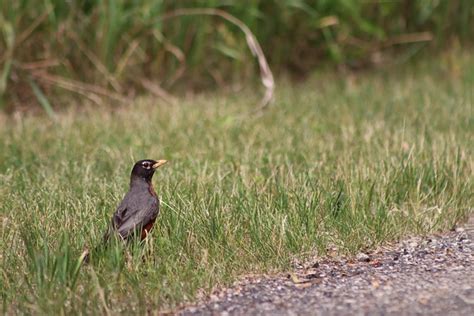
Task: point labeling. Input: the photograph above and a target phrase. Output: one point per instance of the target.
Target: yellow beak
(159, 163)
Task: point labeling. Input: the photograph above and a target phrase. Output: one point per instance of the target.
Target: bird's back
(138, 208)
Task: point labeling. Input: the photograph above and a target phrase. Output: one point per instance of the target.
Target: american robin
(139, 208)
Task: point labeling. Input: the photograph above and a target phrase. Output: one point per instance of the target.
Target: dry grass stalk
(176, 52)
(77, 86)
(266, 74)
(158, 91)
(96, 62)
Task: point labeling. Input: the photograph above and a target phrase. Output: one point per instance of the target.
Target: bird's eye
(146, 164)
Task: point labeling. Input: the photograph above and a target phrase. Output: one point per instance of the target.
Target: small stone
(363, 257)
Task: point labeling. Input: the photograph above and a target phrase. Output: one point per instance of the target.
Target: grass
(346, 162)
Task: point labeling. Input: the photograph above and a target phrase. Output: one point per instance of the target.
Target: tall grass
(49, 47)
(353, 164)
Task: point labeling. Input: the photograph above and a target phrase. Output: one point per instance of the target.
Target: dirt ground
(420, 276)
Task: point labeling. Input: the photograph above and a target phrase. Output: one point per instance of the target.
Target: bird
(137, 212)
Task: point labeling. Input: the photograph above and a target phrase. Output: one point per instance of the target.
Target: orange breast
(147, 228)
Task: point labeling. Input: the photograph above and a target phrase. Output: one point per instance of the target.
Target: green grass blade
(43, 101)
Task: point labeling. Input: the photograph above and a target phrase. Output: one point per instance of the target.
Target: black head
(145, 169)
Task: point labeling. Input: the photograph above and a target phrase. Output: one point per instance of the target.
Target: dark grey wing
(120, 213)
(138, 214)
(117, 218)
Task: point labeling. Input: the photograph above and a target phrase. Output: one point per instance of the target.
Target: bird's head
(145, 169)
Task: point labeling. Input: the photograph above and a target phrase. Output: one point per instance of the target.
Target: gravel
(419, 276)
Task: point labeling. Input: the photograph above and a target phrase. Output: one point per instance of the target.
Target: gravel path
(420, 276)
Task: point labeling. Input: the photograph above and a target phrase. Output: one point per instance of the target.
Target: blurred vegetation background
(113, 50)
